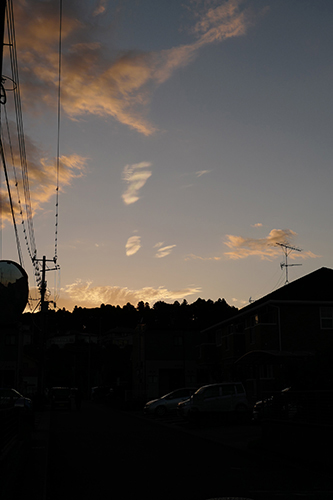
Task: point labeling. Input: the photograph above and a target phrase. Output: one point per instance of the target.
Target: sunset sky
(194, 136)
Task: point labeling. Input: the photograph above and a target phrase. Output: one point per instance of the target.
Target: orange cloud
(99, 80)
(265, 248)
(86, 295)
(42, 175)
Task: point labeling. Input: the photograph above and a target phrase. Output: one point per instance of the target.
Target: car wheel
(160, 411)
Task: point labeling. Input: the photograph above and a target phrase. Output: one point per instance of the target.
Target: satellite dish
(14, 291)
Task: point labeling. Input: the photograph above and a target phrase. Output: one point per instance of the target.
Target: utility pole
(287, 250)
(43, 309)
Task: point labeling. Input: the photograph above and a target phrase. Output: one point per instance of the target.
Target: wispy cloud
(87, 295)
(100, 8)
(136, 176)
(42, 175)
(107, 82)
(133, 245)
(202, 172)
(192, 256)
(164, 251)
(258, 224)
(265, 248)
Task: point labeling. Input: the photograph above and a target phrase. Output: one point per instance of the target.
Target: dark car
(10, 397)
(281, 404)
(61, 397)
(225, 398)
(101, 394)
(159, 407)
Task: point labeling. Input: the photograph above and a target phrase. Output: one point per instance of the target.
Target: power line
(58, 138)
(19, 251)
(20, 136)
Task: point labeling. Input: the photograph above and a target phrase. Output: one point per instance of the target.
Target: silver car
(159, 407)
(227, 397)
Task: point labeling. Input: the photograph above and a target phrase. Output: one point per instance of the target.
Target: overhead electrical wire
(58, 136)
(21, 142)
(2, 153)
(29, 231)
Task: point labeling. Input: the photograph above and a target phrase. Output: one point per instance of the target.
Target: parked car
(101, 394)
(223, 398)
(281, 404)
(61, 397)
(10, 397)
(168, 402)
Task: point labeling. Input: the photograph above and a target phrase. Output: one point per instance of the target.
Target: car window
(239, 388)
(228, 389)
(183, 393)
(212, 392)
(173, 395)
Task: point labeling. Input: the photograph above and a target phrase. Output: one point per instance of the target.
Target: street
(98, 452)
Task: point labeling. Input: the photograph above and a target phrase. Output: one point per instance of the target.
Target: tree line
(197, 316)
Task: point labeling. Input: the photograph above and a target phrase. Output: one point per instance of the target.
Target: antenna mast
(287, 250)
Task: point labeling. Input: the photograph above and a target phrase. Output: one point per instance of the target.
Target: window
(212, 392)
(178, 341)
(227, 390)
(10, 339)
(152, 379)
(326, 318)
(227, 344)
(266, 371)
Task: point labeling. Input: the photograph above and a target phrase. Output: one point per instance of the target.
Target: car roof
(221, 383)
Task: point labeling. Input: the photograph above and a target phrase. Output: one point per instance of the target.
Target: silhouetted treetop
(161, 316)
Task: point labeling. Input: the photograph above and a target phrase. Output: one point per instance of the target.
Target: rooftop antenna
(287, 250)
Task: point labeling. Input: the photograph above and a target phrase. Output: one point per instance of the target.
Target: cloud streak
(265, 248)
(87, 295)
(133, 245)
(164, 251)
(200, 173)
(42, 175)
(135, 176)
(105, 82)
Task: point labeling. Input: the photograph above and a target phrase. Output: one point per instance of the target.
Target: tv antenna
(287, 250)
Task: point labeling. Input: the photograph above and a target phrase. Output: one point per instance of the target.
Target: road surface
(98, 453)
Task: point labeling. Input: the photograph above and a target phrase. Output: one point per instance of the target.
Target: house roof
(253, 357)
(314, 287)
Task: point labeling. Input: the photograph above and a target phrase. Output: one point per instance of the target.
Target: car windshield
(179, 393)
(17, 394)
(199, 391)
